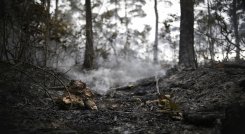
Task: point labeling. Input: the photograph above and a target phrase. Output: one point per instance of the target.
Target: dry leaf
(87, 93)
(65, 102)
(79, 96)
(76, 86)
(91, 104)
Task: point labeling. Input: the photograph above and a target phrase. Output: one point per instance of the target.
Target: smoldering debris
(114, 73)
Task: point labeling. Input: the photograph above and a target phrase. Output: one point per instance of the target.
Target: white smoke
(114, 73)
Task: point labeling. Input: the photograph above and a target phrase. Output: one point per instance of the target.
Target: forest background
(126, 44)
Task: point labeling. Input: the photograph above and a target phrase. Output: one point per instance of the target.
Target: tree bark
(210, 39)
(127, 45)
(155, 47)
(235, 25)
(186, 51)
(48, 5)
(56, 8)
(47, 32)
(89, 49)
(3, 52)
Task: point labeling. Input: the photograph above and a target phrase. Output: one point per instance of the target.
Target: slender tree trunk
(2, 10)
(56, 9)
(126, 46)
(210, 40)
(5, 41)
(186, 51)
(48, 5)
(56, 44)
(89, 49)
(155, 47)
(235, 25)
(47, 34)
(4, 34)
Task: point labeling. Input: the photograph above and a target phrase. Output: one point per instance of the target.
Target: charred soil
(211, 100)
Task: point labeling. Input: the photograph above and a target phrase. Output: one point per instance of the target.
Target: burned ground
(211, 100)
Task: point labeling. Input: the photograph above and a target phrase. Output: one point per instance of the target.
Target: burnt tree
(186, 47)
(89, 49)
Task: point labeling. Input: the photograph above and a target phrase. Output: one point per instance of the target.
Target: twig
(43, 87)
(62, 83)
(157, 86)
(9, 69)
(37, 67)
(57, 88)
(51, 73)
(67, 71)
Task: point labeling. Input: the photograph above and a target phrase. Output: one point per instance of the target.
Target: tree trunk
(210, 40)
(47, 33)
(3, 18)
(89, 49)
(5, 40)
(155, 47)
(56, 8)
(48, 5)
(235, 25)
(126, 46)
(43, 2)
(186, 51)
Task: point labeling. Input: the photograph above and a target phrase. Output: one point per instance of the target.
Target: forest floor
(211, 100)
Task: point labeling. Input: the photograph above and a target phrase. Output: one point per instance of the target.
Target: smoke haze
(114, 73)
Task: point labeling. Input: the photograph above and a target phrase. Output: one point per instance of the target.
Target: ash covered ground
(212, 101)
